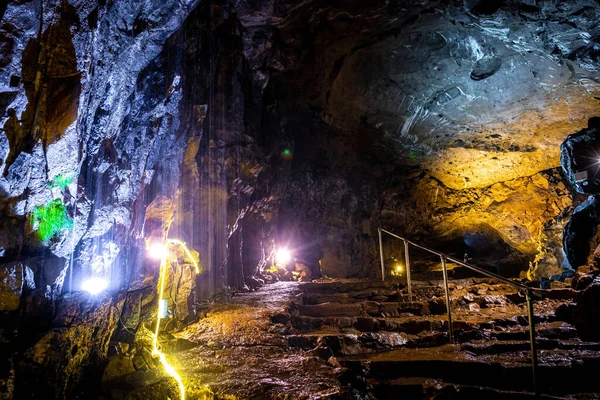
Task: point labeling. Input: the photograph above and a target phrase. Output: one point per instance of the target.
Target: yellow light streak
(169, 369)
(187, 252)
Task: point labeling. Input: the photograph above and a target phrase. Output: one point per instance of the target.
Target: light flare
(94, 285)
(283, 256)
(397, 270)
(158, 251)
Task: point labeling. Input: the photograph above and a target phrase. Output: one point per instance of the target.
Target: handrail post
(534, 358)
(448, 303)
(381, 255)
(407, 262)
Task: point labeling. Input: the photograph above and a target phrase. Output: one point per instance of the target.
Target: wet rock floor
(241, 353)
(349, 339)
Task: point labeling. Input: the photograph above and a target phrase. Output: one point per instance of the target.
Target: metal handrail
(529, 292)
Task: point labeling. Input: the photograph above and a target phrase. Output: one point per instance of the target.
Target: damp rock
(579, 162)
(580, 236)
(116, 370)
(15, 278)
(486, 67)
(586, 315)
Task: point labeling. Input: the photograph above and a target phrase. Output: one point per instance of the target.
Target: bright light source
(397, 270)
(282, 257)
(163, 308)
(94, 285)
(158, 251)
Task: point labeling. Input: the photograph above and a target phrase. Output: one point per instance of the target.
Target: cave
(314, 199)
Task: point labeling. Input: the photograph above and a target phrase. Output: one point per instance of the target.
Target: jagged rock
(180, 290)
(304, 273)
(143, 337)
(116, 371)
(158, 219)
(579, 237)
(130, 316)
(579, 162)
(64, 360)
(14, 279)
(586, 315)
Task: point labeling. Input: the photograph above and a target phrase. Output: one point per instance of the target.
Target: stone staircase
(391, 347)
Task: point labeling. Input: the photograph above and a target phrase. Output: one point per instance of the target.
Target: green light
(61, 181)
(412, 155)
(287, 152)
(51, 219)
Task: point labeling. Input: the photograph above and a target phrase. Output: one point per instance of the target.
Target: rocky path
(242, 352)
(352, 339)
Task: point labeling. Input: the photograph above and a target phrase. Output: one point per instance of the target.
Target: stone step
(364, 308)
(347, 285)
(560, 371)
(503, 328)
(353, 342)
(320, 292)
(506, 346)
(350, 343)
(351, 297)
(345, 290)
(548, 330)
(427, 388)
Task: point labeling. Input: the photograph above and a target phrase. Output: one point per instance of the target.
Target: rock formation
(279, 123)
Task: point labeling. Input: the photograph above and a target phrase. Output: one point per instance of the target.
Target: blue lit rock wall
(98, 103)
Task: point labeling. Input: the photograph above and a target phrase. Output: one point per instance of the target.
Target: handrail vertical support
(381, 255)
(448, 302)
(407, 262)
(534, 358)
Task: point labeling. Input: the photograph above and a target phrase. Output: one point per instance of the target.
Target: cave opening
(278, 199)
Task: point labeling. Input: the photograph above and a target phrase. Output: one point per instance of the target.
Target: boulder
(65, 360)
(130, 317)
(180, 288)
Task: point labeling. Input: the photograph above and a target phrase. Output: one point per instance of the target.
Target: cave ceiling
(479, 92)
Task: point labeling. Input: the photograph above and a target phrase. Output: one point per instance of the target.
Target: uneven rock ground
(365, 339)
(243, 353)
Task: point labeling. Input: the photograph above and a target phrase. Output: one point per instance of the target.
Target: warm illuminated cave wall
(446, 119)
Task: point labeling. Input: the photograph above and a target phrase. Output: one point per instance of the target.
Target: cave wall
(440, 120)
(280, 121)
